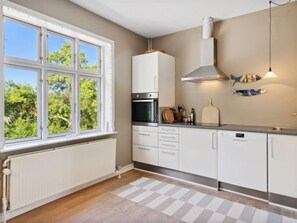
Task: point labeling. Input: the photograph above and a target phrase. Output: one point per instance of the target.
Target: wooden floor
(98, 204)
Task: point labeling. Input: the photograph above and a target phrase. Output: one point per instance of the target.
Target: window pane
(59, 103)
(89, 57)
(20, 41)
(20, 95)
(60, 50)
(88, 104)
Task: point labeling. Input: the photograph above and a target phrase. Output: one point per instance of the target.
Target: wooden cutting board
(210, 114)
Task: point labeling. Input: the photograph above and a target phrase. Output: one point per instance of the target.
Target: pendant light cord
(270, 35)
(278, 4)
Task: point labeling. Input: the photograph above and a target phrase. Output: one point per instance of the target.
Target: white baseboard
(14, 213)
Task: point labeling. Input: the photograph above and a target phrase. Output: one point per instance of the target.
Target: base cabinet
(168, 147)
(198, 152)
(282, 165)
(145, 144)
(168, 158)
(146, 154)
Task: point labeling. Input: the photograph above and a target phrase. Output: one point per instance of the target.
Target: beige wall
(242, 49)
(127, 44)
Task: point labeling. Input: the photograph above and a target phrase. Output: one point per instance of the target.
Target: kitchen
(242, 48)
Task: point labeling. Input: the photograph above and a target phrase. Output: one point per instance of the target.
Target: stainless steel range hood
(208, 69)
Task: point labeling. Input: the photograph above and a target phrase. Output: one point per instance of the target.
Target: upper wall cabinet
(155, 72)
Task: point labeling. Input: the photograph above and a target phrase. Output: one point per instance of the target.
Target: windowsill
(38, 143)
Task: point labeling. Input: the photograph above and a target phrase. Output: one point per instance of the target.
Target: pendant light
(270, 73)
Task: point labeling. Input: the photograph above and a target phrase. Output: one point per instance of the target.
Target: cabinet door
(145, 73)
(146, 138)
(282, 160)
(146, 154)
(198, 152)
(168, 158)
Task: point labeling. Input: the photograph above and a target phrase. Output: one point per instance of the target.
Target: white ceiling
(153, 18)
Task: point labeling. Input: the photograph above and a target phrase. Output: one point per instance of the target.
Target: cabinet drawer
(168, 158)
(145, 138)
(145, 154)
(168, 137)
(169, 130)
(142, 128)
(168, 145)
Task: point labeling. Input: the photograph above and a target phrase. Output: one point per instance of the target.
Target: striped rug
(192, 206)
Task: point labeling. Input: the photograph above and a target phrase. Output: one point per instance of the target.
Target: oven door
(145, 111)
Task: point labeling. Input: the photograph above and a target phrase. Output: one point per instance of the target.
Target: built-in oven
(145, 109)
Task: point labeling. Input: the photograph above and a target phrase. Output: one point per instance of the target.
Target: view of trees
(21, 101)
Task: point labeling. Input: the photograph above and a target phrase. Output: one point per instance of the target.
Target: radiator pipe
(6, 173)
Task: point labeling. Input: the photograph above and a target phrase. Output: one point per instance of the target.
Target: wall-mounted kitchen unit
(155, 72)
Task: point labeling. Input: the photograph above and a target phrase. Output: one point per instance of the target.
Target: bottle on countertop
(192, 116)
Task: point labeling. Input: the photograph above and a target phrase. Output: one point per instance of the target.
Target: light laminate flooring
(98, 204)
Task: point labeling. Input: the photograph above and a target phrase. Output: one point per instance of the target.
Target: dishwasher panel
(242, 159)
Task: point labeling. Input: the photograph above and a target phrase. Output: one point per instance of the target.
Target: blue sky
(22, 42)
(21, 76)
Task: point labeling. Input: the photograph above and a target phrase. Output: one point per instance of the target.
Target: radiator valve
(6, 171)
(118, 171)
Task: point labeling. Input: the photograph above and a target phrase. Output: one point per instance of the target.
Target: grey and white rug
(192, 206)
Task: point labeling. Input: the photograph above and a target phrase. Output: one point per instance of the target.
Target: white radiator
(37, 176)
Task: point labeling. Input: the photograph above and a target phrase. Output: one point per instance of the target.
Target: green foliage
(88, 104)
(21, 101)
(59, 100)
(20, 110)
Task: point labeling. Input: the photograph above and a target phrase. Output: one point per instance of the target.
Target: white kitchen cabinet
(146, 154)
(145, 144)
(168, 147)
(282, 162)
(168, 158)
(242, 159)
(198, 152)
(155, 72)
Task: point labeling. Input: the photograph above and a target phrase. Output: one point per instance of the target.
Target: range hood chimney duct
(208, 69)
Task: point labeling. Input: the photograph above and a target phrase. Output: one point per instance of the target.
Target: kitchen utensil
(169, 115)
(210, 114)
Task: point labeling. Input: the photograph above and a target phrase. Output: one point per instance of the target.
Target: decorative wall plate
(249, 92)
(247, 78)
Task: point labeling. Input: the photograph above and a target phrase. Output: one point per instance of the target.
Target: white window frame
(99, 99)
(93, 73)
(39, 53)
(39, 102)
(45, 56)
(106, 110)
(48, 135)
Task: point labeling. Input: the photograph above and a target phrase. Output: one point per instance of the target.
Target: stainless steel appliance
(145, 109)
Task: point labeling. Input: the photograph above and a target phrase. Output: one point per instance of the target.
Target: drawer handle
(146, 149)
(239, 140)
(168, 137)
(272, 150)
(164, 144)
(143, 134)
(168, 129)
(170, 153)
